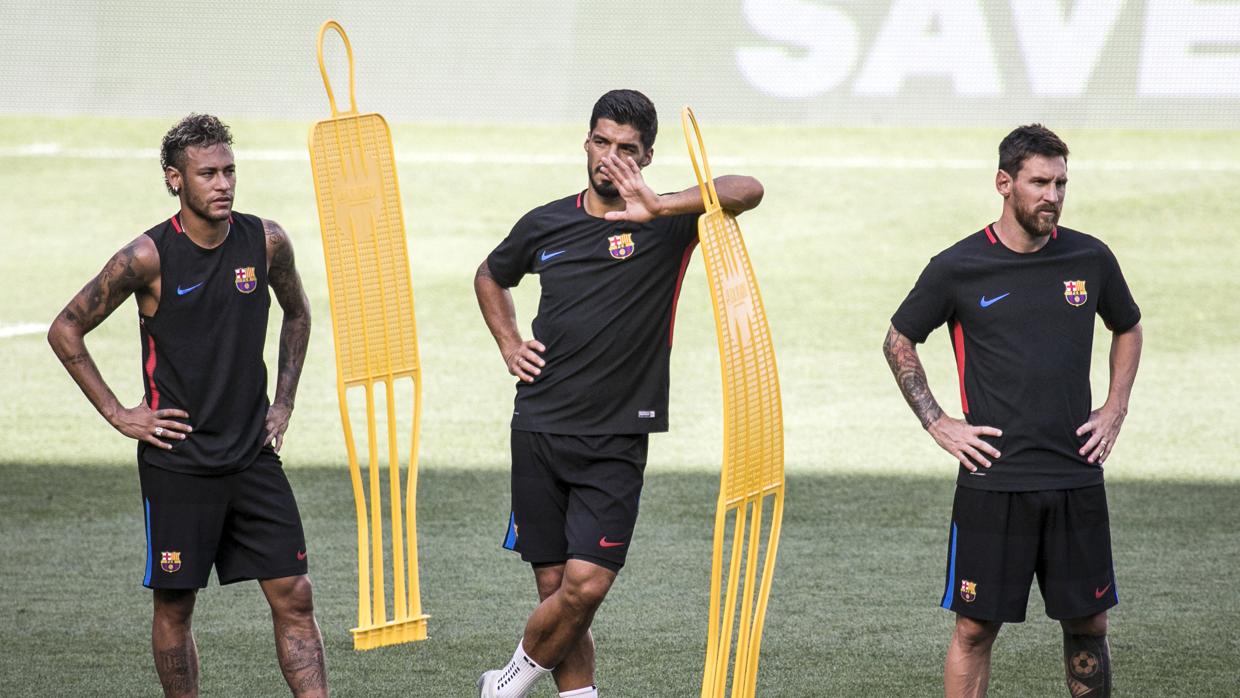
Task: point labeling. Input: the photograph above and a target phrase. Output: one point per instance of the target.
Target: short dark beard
(203, 213)
(1033, 224)
(606, 190)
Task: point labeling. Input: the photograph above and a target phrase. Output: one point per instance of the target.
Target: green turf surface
(853, 611)
(835, 245)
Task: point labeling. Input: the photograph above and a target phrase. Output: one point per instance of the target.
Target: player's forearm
(910, 375)
(285, 282)
(737, 194)
(498, 310)
(294, 339)
(70, 347)
(1125, 357)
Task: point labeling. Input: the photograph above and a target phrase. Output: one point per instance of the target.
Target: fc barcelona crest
(968, 590)
(620, 246)
(170, 561)
(1074, 292)
(247, 280)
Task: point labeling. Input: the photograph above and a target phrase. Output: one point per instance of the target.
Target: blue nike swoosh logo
(183, 291)
(987, 302)
(546, 256)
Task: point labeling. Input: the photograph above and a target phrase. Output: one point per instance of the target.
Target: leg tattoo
(301, 661)
(178, 670)
(1087, 663)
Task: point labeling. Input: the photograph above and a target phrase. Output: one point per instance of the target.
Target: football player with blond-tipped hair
(213, 488)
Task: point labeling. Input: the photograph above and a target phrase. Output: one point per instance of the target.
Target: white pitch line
(21, 329)
(857, 162)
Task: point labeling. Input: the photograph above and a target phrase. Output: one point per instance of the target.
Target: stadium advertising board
(1106, 63)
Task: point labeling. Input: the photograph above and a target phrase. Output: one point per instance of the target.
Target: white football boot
(487, 687)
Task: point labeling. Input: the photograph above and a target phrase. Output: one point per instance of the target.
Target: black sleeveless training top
(202, 352)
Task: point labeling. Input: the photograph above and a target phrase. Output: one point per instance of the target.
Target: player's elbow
(58, 335)
(304, 316)
(756, 192)
(747, 194)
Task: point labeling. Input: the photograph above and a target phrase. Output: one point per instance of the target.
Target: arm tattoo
(284, 280)
(78, 358)
(911, 377)
(119, 279)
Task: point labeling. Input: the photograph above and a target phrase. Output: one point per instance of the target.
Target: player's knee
(296, 598)
(1089, 625)
(976, 634)
(548, 578)
(175, 606)
(585, 595)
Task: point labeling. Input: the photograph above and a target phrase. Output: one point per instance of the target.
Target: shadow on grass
(853, 612)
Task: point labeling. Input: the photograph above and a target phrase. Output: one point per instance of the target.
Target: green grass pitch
(849, 219)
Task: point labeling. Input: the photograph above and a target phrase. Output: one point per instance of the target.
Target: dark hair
(629, 108)
(1026, 141)
(194, 130)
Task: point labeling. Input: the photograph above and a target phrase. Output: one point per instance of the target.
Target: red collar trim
(583, 193)
(990, 234)
(176, 224)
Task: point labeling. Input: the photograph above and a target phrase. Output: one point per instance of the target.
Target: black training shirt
(202, 351)
(1022, 326)
(609, 291)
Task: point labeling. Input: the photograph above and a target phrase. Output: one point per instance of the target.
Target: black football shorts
(245, 523)
(575, 497)
(1000, 541)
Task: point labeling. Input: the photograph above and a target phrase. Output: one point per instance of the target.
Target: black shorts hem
(609, 564)
(1104, 605)
(175, 587)
(537, 561)
(266, 574)
(985, 617)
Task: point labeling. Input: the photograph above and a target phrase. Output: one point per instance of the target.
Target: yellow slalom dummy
(376, 345)
(753, 447)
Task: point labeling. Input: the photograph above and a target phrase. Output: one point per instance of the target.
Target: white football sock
(587, 692)
(519, 676)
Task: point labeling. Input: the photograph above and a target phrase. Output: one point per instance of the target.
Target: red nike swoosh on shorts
(1099, 592)
(604, 543)
(301, 555)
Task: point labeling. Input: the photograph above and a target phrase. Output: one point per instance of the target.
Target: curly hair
(194, 130)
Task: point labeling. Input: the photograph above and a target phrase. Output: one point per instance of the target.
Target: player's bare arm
(523, 358)
(956, 436)
(285, 282)
(133, 269)
(737, 193)
(1105, 422)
